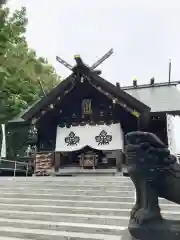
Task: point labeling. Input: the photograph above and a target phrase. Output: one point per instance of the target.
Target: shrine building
(82, 122)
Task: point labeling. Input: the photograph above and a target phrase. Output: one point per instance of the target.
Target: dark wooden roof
(82, 70)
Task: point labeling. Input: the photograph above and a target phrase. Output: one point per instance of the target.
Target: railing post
(27, 168)
(15, 169)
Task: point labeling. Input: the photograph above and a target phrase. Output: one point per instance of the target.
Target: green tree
(21, 71)
(2, 2)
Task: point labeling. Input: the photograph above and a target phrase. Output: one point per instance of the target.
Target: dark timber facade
(86, 98)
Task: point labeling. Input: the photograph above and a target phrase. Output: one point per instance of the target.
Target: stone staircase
(73, 208)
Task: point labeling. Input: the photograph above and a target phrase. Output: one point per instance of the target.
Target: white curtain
(177, 133)
(3, 145)
(101, 137)
(173, 133)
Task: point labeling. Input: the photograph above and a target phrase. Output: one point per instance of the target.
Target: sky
(143, 34)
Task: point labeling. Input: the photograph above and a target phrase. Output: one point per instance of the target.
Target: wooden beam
(52, 106)
(143, 122)
(115, 100)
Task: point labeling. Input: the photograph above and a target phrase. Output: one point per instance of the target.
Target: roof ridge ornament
(79, 61)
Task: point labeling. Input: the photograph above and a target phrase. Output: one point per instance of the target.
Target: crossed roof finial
(80, 62)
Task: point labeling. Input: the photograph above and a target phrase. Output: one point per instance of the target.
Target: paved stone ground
(51, 208)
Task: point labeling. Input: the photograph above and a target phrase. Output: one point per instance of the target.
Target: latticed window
(87, 106)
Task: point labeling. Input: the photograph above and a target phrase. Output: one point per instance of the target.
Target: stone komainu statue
(154, 172)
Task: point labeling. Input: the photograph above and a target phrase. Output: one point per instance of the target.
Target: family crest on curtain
(100, 137)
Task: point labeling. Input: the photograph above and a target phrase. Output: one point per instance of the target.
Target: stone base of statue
(127, 236)
(164, 229)
(155, 173)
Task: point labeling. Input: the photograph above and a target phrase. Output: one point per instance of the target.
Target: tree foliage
(2, 2)
(21, 71)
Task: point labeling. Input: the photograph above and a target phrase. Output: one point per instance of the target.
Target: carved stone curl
(155, 173)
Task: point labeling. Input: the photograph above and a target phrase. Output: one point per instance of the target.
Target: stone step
(78, 218)
(61, 196)
(51, 180)
(66, 217)
(80, 202)
(46, 196)
(11, 238)
(82, 210)
(69, 203)
(39, 234)
(87, 192)
(69, 208)
(70, 185)
(65, 179)
(76, 171)
(66, 209)
(62, 226)
(70, 188)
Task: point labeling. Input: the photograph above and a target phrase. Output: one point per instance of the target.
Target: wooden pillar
(143, 122)
(38, 139)
(57, 161)
(119, 160)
